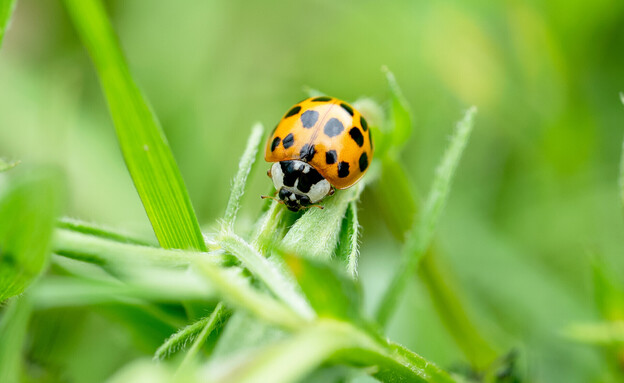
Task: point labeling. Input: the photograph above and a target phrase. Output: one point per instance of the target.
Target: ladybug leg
(309, 206)
(331, 191)
(269, 173)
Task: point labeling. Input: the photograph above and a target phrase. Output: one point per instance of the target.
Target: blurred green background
(535, 197)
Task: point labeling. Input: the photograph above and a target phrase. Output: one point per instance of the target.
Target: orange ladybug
(320, 144)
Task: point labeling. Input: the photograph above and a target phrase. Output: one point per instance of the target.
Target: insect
(321, 144)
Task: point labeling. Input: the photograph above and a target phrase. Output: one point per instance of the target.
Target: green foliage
(29, 204)
(420, 236)
(6, 10)
(400, 113)
(146, 151)
(13, 329)
(330, 292)
(348, 243)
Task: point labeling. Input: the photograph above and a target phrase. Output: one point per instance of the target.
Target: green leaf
(13, 333)
(420, 236)
(147, 154)
(331, 293)
(348, 243)
(395, 196)
(98, 231)
(28, 208)
(316, 233)
(214, 321)
(4, 165)
(244, 167)
(401, 115)
(6, 10)
(601, 333)
(237, 290)
(268, 272)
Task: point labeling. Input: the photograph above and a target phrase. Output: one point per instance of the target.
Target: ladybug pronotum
(320, 144)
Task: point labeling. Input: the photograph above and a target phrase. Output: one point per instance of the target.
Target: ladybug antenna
(273, 198)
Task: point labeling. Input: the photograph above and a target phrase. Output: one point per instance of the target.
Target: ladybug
(321, 144)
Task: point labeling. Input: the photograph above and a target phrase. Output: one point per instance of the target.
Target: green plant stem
(622, 165)
(268, 273)
(13, 328)
(98, 231)
(420, 236)
(454, 317)
(209, 325)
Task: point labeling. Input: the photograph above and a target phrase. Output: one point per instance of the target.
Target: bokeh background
(534, 202)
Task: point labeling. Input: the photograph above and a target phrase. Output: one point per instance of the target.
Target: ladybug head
(298, 184)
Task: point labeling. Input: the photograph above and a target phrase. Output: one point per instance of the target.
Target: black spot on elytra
(309, 118)
(293, 111)
(363, 162)
(288, 141)
(307, 152)
(357, 136)
(343, 169)
(363, 123)
(331, 157)
(347, 108)
(275, 143)
(322, 98)
(333, 127)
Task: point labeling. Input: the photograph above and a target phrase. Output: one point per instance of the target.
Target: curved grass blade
(244, 167)
(420, 236)
(196, 332)
(13, 329)
(145, 149)
(6, 10)
(28, 209)
(401, 114)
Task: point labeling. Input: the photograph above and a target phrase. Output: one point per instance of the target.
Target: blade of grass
(244, 167)
(622, 164)
(420, 236)
(13, 332)
(216, 318)
(29, 205)
(4, 165)
(6, 10)
(401, 115)
(147, 154)
(191, 333)
(98, 231)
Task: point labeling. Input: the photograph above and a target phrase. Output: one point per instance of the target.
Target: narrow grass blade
(6, 10)
(348, 244)
(28, 208)
(143, 144)
(4, 165)
(193, 333)
(13, 332)
(420, 236)
(622, 164)
(148, 285)
(600, 333)
(214, 320)
(98, 231)
(401, 115)
(244, 167)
